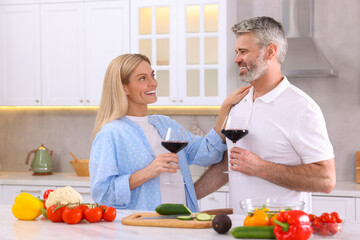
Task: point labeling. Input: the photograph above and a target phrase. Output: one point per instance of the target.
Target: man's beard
(255, 69)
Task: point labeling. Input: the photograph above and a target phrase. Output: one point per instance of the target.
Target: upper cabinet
(190, 45)
(55, 52)
(78, 41)
(20, 72)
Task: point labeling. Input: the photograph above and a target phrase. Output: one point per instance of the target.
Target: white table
(43, 229)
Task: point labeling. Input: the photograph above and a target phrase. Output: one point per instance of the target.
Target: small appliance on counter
(42, 163)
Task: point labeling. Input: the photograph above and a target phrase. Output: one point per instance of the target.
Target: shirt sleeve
(204, 151)
(309, 136)
(109, 186)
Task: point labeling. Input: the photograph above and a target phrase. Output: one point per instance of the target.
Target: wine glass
(233, 131)
(174, 140)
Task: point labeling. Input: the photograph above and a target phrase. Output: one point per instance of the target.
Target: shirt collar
(272, 95)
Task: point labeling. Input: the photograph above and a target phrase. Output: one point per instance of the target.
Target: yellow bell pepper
(26, 207)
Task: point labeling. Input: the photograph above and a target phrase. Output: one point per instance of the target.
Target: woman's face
(142, 86)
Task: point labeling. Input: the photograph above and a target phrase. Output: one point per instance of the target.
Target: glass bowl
(327, 230)
(270, 205)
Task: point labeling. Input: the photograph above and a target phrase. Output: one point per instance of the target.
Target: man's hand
(244, 161)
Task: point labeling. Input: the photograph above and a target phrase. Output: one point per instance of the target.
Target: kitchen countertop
(43, 229)
(342, 188)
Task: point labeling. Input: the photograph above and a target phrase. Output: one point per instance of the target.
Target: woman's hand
(235, 97)
(226, 106)
(166, 162)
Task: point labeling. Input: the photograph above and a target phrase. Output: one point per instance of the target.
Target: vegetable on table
(72, 215)
(93, 214)
(46, 195)
(203, 217)
(254, 232)
(257, 218)
(63, 196)
(221, 223)
(294, 224)
(172, 208)
(26, 207)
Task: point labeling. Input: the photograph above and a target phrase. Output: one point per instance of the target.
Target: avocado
(221, 223)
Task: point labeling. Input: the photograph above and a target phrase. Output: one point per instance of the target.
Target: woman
(126, 157)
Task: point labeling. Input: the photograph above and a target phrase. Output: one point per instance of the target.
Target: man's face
(249, 58)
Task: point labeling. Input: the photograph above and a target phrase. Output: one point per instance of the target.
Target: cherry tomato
(72, 215)
(325, 217)
(332, 228)
(55, 216)
(47, 192)
(312, 217)
(110, 214)
(83, 207)
(93, 214)
(323, 231)
(336, 215)
(257, 218)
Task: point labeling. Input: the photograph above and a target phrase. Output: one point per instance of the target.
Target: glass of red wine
(174, 140)
(233, 131)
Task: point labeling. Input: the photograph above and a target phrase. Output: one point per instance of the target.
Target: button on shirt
(285, 126)
(120, 148)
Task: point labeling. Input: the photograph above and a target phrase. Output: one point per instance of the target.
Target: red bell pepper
(46, 195)
(293, 225)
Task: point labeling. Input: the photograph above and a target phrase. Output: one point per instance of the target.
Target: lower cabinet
(345, 206)
(9, 192)
(214, 200)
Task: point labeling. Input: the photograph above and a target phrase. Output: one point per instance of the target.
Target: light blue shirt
(121, 149)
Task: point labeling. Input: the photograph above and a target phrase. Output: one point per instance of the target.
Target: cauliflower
(63, 195)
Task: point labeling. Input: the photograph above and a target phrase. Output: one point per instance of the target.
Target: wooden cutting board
(136, 220)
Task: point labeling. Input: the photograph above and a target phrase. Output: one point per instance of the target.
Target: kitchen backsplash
(60, 130)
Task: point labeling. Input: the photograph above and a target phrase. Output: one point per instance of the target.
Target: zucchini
(203, 217)
(261, 232)
(171, 209)
(186, 218)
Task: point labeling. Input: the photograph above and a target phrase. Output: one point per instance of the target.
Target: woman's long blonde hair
(114, 103)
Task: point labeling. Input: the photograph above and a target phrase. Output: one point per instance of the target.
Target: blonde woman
(127, 157)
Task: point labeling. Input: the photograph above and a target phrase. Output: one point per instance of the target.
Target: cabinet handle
(173, 100)
(81, 101)
(87, 100)
(180, 100)
(37, 101)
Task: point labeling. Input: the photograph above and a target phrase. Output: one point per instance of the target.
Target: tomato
(312, 217)
(93, 214)
(332, 228)
(83, 207)
(72, 215)
(336, 216)
(55, 216)
(257, 218)
(325, 217)
(110, 214)
(47, 192)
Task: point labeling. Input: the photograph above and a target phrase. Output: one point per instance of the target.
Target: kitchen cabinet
(214, 200)
(20, 75)
(9, 192)
(190, 45)
(71, 44)
(345, 206)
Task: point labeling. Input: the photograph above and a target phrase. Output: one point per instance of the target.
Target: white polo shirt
(285, 126)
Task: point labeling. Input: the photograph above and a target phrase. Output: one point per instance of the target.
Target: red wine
(174, 146)
(234, 134)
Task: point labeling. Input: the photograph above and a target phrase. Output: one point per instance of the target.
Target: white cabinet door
(62, 61)
(345, 206)
(106, 37)
(20, 81)
(213, 201)
(10, 192)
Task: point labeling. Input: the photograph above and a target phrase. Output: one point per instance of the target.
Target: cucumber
(263, 232)
(172, 208)
(203, 217)
(186, 218)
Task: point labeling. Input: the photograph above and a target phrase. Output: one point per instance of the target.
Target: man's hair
(267, 31)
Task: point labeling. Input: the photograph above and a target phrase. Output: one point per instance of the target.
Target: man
(287, 153)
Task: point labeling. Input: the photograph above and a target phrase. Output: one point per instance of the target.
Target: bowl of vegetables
(326, 224)
(270, 205)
